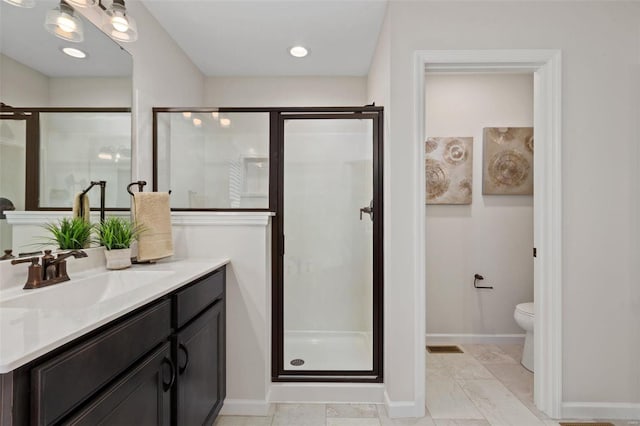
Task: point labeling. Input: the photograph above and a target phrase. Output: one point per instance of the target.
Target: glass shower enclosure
(328, 319)
(319, 171)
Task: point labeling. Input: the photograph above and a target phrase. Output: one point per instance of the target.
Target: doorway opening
(546, 68)
(479, 228)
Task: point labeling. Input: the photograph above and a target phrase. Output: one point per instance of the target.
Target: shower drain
(297, 362)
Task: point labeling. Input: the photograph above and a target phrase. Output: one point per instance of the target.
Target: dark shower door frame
(32, 154)
(279, 373)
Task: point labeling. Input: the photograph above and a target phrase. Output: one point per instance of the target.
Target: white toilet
(524, 317)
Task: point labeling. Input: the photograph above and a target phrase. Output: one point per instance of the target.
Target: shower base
(327, 350)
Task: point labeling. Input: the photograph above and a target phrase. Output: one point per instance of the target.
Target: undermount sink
(85, 292)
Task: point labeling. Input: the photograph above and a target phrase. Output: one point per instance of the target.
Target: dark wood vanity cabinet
(163, 364)
(199, 351)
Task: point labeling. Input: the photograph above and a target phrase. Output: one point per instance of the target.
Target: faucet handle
(34, 260)
(34, 278)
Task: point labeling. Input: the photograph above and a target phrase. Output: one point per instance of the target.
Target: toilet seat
(525, 309)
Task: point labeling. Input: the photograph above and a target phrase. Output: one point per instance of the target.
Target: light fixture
(118, 24)
(225, 122)
(106, 153)
(187, 114)
(298, 51)
(74, 53)
(82, 3)
(197, 122)
(115, 154)
(215, 115)
(62, 22)
(27, 4)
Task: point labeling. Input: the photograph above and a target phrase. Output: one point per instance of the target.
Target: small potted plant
(117, 234)
(70, 234)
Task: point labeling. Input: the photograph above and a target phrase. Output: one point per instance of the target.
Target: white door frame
(546, 68)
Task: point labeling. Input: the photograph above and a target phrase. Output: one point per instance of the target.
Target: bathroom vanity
(141, 346)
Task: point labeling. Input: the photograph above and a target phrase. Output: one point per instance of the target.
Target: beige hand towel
(86, 209)
(151, 212)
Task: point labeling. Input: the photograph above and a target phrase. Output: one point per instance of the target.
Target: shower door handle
(368, 210)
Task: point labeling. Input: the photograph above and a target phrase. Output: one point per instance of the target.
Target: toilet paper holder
(478, 277)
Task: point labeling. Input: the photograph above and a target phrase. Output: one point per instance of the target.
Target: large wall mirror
(65, 121)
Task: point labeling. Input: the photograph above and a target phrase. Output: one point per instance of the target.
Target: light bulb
(215, 115)
(66, 24)
(186, 114)
(197, 122)
(63, 23)
(120, 23)
(225, 122)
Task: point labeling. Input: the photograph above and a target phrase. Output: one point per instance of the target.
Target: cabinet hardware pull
(186, 356)
(167, 386)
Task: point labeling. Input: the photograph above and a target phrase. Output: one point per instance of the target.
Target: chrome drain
(297, 362)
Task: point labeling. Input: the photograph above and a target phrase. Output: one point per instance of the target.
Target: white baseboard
(601, 410)
(400, 409)
(245, 407)
(487, 339)
(372, 393)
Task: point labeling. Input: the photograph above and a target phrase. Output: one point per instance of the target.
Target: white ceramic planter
(118, 259)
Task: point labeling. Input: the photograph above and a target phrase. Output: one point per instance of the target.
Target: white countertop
(34, 322)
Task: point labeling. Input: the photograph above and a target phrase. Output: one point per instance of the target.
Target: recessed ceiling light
(215, 115)
(298, 51)
(197, 122)
(225, 122)
(186, 114)
(74, 53)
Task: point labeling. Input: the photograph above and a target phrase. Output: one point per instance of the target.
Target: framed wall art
(507, 167)
(449, 170)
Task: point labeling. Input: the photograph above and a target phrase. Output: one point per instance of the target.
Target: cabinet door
(141, 397)
(200, 359)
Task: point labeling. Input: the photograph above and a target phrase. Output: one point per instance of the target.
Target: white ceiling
(252, 37)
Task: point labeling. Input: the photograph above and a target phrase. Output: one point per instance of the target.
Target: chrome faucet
(52, 271)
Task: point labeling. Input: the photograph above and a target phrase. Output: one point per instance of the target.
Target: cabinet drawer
(193, 300)
(64, 382)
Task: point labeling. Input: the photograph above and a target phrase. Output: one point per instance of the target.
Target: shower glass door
(327, 216)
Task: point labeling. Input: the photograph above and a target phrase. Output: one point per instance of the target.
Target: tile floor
(485, 385)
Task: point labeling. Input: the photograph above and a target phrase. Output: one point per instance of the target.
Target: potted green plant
(117, 234)
(70, 234)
